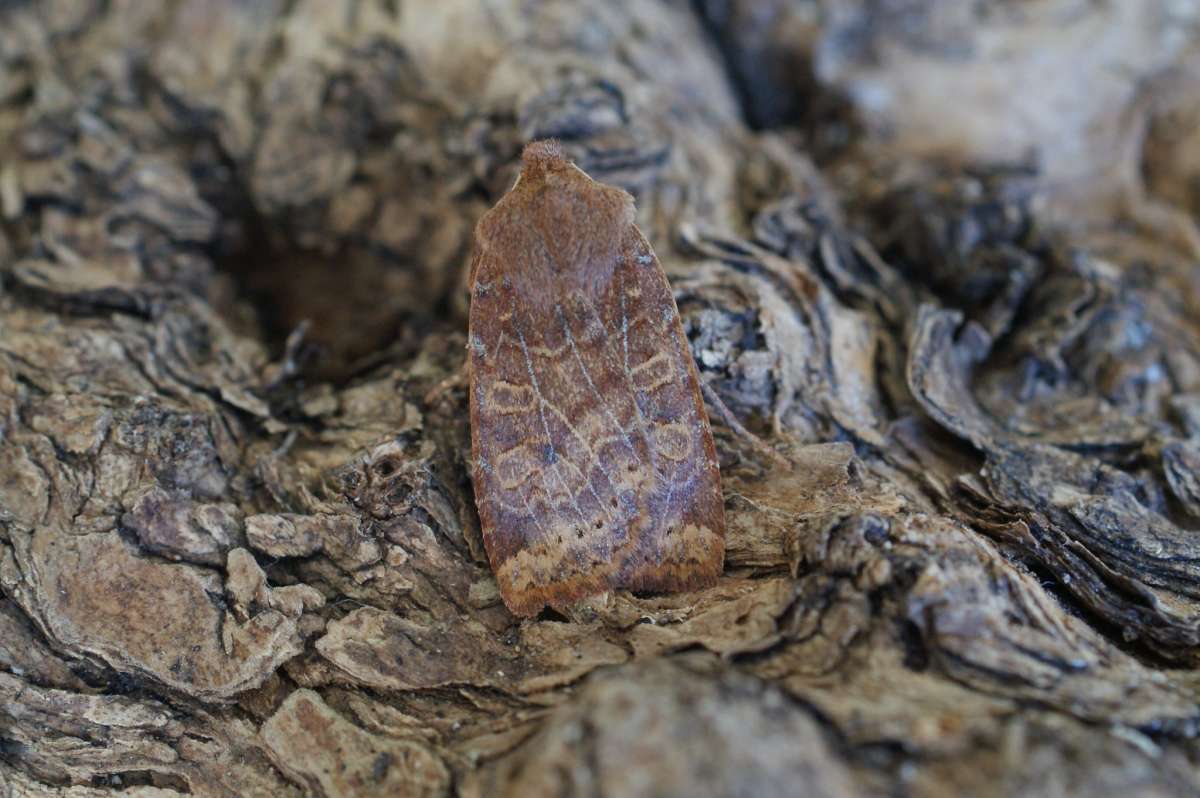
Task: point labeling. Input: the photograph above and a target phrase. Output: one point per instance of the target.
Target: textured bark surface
(940, 255)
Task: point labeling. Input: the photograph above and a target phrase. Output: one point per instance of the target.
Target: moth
(594, 467)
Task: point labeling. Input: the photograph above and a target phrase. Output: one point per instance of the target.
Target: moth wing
(553, 511)
(682, 547)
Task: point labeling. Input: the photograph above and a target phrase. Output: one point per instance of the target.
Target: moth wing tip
(522, 603)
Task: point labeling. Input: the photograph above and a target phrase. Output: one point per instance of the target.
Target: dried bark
(941, 256)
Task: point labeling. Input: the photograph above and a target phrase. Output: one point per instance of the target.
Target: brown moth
(594, 465)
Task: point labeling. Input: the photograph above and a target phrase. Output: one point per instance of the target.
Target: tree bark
(940, 256)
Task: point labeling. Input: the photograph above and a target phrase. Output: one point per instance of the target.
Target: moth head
(545, 162)
(558, 224)
(543, 156)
